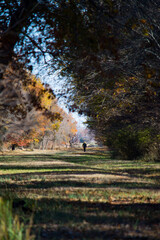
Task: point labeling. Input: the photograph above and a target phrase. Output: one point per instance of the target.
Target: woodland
(106, 54)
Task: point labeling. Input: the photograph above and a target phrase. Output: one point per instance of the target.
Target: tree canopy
(31, 115)
(109, 51)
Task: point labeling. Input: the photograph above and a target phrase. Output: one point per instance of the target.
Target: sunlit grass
(84, 196)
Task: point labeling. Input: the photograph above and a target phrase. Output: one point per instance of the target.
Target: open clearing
(76, 195)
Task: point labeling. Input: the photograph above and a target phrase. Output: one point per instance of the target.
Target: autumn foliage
(42, 124)
(108, 52)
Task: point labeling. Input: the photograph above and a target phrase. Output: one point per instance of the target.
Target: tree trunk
(7, 43)
(43, 141)
(46, 146)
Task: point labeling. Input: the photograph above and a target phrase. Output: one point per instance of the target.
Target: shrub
(129, 143)
(153, 153)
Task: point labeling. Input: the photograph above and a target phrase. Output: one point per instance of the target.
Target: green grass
(76, 195)
(10, 226)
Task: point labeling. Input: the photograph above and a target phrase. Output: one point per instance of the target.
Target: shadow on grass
(133, 168)
(52, 170)
(65, 220)
(80, 158)
(42, 184)
(60, 219)
(42, 167)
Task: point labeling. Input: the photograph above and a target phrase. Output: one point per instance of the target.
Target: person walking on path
(84, 146)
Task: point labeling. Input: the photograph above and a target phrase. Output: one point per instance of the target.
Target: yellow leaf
(149, 75)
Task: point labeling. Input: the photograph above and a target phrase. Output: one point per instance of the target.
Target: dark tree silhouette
(109, 50)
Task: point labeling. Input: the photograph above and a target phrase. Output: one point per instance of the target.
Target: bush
(130, 144)
(153, 153)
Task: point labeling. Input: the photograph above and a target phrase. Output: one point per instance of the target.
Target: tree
(109, 50)
(44, 124)
(29, 28)
(27, 106)
(68, 130)
(114, 70)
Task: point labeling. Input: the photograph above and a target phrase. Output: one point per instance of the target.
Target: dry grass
(76, 195)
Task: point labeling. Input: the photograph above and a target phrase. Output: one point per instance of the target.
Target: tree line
(109, 52)
(31, 115)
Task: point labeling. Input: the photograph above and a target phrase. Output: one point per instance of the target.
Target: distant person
(84, 146)
(13, 147)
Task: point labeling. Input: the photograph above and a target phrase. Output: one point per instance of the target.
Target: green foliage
(129, 143)
(153, 153)
(115, 83)
(10, 226)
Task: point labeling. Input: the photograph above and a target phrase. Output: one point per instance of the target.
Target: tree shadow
(45, 184)
(63, 219)
(42, 167)
(57, 170)
(85, 220)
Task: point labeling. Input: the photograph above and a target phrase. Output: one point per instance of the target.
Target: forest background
(108, 52)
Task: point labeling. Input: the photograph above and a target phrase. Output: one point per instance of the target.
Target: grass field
(76, 195)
